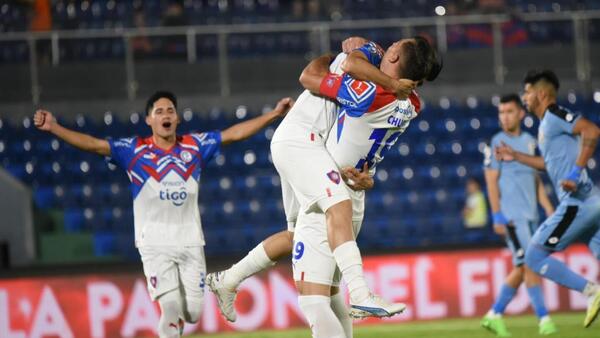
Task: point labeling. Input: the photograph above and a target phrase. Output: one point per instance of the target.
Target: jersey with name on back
(164, 185)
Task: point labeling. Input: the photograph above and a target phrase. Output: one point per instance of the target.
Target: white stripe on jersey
(132, 173)
(140, 148)
(189, 146)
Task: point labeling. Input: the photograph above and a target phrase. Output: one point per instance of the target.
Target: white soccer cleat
(225, 296)
(593, 309)
(375, 306)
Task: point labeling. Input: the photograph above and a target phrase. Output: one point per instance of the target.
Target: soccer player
(566, 141)
(513, 191)
(370, 150)
(164, 170)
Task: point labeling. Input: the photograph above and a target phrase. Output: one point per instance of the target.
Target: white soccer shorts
(312, 258)
(174, 267)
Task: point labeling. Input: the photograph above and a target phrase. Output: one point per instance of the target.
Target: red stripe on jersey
(328, 192)
(382, 99)
(415, 101)
(330, 85)
(312, 136)
(302, 276)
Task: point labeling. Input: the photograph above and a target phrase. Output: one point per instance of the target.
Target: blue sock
(506, 295)
(537, 301)
(540, 261)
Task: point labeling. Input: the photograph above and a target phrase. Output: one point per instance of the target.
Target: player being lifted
(513, 191)
(279, 245)
(566, 141)
(168, 231)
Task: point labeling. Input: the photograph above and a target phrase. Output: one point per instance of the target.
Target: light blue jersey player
(514, 191)
(566, 141)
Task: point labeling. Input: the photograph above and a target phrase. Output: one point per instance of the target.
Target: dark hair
(159, 95)
(534, 76)
(512, 97)
(421, 60)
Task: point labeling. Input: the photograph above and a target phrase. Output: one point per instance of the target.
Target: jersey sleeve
(489, 160)
(564, 120)
(209, 145)
(373, 53)
(122, 151)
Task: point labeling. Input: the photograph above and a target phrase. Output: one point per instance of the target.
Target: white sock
(544, 319)
(320, 317)
(255, 261)
(347, 256)
(590, 289)
(170, 312)
(338, 305)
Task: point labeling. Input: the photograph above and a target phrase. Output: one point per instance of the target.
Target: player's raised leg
(574, 218)
(224, 283)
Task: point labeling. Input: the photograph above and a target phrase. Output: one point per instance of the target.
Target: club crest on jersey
(186, 156)
(334, 176)
(153, 281)
(150, 156)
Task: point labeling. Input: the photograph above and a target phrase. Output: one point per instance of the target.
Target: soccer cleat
(225, 296)
(375, 306)
(547, 327)
(495, 324)
(593, 309)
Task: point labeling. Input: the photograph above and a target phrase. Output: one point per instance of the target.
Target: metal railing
(320, 30)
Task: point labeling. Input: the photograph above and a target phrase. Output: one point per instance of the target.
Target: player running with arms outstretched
(164, 170)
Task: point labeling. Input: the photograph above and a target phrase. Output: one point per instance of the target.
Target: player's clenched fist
(283, 106)
(43, 120)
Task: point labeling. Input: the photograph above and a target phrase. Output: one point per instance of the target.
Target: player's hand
(403, 87)
(568, 185)
(283, 106)
(500, 229)
(352, 43)
(504, 152)
(358, 180)
(43, 120)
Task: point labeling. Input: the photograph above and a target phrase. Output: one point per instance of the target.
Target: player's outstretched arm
(359, 67)
(243, 130)
(590, 133)
(491, 182)
(505, 153)
(542, 197)
(44, 120)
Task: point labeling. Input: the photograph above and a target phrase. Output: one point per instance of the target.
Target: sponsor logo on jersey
(186, 156)
(334, 176)
(150, 156)
(176, 197)
(347, 103)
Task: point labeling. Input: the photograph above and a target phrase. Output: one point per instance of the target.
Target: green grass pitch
(569, 326)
